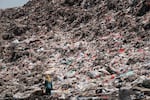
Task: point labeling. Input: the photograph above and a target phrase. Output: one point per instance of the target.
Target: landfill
(93, 49)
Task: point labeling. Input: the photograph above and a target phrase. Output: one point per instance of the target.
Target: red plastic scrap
(94, 57)
(140, 50)
(122, 50)
(117, 35)
(109, 78)
(105, 97)
(105, 81)
(108, 18)
(112, 76)
(147, 3)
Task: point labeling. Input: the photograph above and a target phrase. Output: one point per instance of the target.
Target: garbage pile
(93, 49)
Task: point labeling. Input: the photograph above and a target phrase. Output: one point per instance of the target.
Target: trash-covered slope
(85, 42)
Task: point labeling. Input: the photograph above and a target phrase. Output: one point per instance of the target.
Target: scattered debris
(92, 48)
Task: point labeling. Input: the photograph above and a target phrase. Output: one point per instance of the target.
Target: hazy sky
(11, 3)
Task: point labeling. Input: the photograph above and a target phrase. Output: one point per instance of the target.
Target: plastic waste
(130, 73)
(71, 73)
(93, 74)
(26, 94)
(139, 96)
(15, 41)
(40, 49)
(146, 83)
(125, 94)
(66, 61)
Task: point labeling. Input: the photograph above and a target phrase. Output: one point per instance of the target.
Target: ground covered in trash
(87, 44)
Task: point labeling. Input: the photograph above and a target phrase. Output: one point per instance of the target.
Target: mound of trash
(93, 49)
